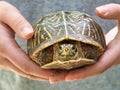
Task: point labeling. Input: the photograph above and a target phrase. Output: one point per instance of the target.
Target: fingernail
(68, 80)
(102, 10)
(73, 79)
(53, 82)
(27, 31)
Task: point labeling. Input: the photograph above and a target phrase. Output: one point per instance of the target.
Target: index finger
(109, 11)
(12, 17)
(19, 58)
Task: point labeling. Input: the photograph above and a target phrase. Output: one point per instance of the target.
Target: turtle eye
(60, 47)
(74, 48)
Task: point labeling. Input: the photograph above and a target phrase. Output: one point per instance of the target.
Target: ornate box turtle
(66, 40)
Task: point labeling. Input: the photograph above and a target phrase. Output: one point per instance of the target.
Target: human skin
(111, 56)
(12, 57)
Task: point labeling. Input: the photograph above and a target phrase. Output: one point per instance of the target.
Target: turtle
(66, 40)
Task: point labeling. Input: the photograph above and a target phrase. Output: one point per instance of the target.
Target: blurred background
(33, 10)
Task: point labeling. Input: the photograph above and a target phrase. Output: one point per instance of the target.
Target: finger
(7, 65)
(18, 57)
(11, 16)
(109, 11)
(58, 76)
(103, 64)
(111, 35)
(61, 76)
(14, 53)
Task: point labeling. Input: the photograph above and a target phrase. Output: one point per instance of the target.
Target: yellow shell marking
(83, 30)
(88, 30)
(64, 19)
(42, 37)
(73, 30)
(47, 32)
(34, 40)
(97, 37)
(39, 36)
(59, 31)
(58, 20)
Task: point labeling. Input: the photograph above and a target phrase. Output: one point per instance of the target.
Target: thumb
(109, 11)
(12, 17)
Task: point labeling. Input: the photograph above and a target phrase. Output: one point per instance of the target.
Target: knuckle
(26, 69)
(18, 22)
(35, 78)
(114, 4)
(2, 47)
(29, 77)
(101, 71)
(5, 8)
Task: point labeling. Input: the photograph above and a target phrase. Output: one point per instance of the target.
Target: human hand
(110, 57)
(12, 57)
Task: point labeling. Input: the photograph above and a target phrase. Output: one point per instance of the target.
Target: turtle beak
(67, 51)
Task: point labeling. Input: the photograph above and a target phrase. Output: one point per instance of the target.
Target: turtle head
(67, 50)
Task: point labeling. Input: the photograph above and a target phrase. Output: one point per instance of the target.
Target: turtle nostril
(66, 49)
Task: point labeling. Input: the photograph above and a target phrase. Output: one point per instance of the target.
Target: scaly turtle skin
(66, 40)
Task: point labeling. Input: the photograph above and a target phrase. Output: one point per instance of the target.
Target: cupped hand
(110, 57)
(12, 57)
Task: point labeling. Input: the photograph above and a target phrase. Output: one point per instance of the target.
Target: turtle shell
(65, 25)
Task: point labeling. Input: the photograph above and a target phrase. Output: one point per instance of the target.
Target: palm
(15, 59)
(110, 57)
